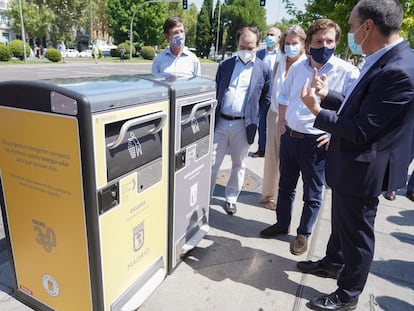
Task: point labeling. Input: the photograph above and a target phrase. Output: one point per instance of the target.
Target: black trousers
(352, 241)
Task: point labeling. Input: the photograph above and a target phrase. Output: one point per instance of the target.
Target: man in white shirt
(302, 148)
(243, 89)
(176, 59)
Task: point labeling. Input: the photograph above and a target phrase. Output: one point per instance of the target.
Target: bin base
(138, 292)
(195, 239)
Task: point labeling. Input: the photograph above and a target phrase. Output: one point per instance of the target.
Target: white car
(71, 53)
(86, 53)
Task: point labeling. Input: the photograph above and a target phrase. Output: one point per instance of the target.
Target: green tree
(407, 29)
(218, 28)
(239, 13)
(37, 19)
(204, 37)
(147, 24)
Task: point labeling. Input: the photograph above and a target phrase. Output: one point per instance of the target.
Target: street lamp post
(132, 20)
(23, 34)
(218, 30)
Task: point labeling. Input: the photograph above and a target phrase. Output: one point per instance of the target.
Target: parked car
(72, 53)
(86, 53)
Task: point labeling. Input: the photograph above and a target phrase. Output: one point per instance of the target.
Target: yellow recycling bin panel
(84, 190)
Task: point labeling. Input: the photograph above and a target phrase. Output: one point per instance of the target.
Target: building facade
(6, 34)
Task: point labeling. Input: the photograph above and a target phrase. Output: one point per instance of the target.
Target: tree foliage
(239, 13)
(37, 19)
(147, 23)
(339, 12)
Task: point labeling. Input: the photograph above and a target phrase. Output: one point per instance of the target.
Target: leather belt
(226, 117)
(295, 134)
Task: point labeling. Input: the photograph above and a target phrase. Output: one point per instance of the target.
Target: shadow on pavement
(225, 258)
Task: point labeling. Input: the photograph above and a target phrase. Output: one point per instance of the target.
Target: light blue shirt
(340, 75)
(234, 101)
(186, 63)
(369, 62)
(271, 57)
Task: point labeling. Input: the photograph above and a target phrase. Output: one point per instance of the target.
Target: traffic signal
(185, 4)
(262, 2)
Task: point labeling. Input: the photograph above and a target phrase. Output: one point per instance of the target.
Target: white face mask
(292, 50)
(245, 55)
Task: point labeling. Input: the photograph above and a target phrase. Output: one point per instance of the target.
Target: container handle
(212, 103)
(130, 123)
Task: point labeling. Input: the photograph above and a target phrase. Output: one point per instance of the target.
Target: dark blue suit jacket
(371, 137)
(258, 94)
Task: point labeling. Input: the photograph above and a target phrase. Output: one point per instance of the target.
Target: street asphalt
(233, 269)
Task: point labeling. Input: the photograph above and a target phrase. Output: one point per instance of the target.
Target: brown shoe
(299, 245)
(390, 195)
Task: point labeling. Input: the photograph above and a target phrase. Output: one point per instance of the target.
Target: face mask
(270, 41)
(245, 56)
(354, 47)
(321, 55)
(292, 50)
(178, 41)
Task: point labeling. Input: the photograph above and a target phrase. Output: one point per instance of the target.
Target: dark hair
(171, 22)
(292, 30)
(323, 23)
(387, 15)
(252, 29)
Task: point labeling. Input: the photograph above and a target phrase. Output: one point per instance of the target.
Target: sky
(275, 9)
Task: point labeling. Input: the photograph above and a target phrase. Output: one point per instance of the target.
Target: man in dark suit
(243, 88)
(370, 145)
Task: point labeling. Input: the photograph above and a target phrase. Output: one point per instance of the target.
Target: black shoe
(258, 154)
(318, 269)
(230, 208)
(390, 196)
(331, 302)
(272, 231)
(410, 194)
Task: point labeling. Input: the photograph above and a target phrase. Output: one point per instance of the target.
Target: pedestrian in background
(372, 131)
(302, 146)
(292, 49)
(270, 56)
(95, 52)
(176, 59)
(62, 49)
(243, 88)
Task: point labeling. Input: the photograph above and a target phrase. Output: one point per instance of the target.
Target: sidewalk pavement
(234, 269)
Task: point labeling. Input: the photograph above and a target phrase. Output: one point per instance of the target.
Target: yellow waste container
(84, 176)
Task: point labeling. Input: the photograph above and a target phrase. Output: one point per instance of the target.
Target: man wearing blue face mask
(302, 146)
(270, 56)
(176, 59)
(243, 89)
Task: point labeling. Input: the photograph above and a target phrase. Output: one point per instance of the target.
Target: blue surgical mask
(292, 50)
(353, 46)
(178, 41)
(270, 41)
(321, 55)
